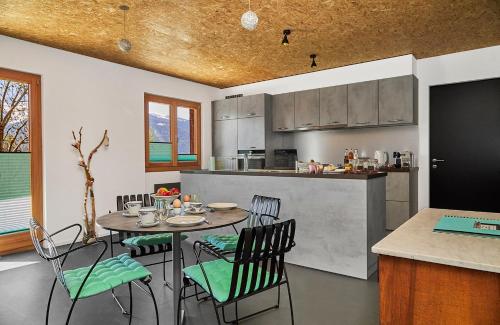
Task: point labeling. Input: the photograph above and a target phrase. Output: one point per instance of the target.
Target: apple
(186, 198)
(174, 190)
(176, 203)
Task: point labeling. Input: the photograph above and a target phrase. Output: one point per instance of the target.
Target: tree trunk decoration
(89, 235)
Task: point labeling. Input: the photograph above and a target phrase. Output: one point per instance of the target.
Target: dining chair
(88, 281)
(263, 211)
(140, 244)
(258, 265)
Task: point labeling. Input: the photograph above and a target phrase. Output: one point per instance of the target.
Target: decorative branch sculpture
(89, 235)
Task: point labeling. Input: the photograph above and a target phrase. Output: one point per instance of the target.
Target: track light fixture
(286, 32)
(313, 63)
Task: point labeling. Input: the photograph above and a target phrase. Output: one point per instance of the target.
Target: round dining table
(116, 221)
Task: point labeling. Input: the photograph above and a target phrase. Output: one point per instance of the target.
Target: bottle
(346, 157)
(355, 155)
(351, 154)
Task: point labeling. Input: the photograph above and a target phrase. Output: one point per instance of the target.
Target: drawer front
(225, 109)
(396, 214)
(398, 187)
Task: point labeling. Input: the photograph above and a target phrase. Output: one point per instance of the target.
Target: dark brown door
(465, 146)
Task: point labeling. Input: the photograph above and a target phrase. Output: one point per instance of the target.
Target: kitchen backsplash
(329, 145)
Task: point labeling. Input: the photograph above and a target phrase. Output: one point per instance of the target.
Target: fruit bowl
(165, 199)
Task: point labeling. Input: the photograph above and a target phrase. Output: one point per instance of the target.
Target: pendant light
(124, 44)
(286, 32)
(313, 63)
(249, 19)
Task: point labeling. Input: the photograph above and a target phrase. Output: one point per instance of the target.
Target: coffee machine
(407, 159)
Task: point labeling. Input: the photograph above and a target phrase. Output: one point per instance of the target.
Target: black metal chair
(258, 265)
(92, 280)
(263, 211)
(140, 244)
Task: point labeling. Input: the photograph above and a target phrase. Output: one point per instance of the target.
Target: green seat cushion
(151, 239)
(222, 242)
(219, 273)
(107, 274)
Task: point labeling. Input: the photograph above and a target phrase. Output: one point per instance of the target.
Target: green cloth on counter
(465, 225)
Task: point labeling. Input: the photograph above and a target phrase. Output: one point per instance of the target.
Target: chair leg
(48, 303)
(164, 274)
(290, 300)
(279, 296)
(236, 312)
(71, 311)
(154, 302)
(182, 259)
(130, 305)
(124, 312)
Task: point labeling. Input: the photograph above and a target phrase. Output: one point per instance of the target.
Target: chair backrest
(261, 248)
(146, 200)
(263, 211)
(40, 235)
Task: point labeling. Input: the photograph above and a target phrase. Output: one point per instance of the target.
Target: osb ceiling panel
(203, 41)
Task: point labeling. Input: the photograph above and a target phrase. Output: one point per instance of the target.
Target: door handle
(434, 160)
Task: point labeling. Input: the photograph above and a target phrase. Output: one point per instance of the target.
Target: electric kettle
(382, 158)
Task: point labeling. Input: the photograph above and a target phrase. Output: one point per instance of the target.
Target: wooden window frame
(18, 242)
(175, 165)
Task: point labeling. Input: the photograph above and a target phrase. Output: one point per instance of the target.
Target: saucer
(126, 214)
(139, 224)
(193, 211)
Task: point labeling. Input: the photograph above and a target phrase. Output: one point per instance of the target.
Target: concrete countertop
(416, 240)
(290, 174)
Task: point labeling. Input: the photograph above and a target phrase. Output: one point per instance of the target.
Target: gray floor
(318, 298)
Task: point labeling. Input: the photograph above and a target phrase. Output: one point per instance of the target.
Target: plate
(193, 211)
(126, 214)
(222, 206)
(185, 221)
(139, 224)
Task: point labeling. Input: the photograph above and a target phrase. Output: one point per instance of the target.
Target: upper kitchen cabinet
(251, 133)
(251, 106)
(306, 109)
(398, 100)
(283, 112)
(362, 104)
(225, 138)
(333, 106)
(225, 109)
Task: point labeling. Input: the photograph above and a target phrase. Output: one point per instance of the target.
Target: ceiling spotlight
(286, 32)
(124, 44)
(249, 19)
(313, 63)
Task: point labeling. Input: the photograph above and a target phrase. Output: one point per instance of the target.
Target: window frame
(174, 165)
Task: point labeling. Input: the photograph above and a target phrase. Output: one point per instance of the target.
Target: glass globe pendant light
(249, 19)
(124, 44)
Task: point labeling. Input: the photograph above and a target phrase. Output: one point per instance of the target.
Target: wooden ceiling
(203, 40)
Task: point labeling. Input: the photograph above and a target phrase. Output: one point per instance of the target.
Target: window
(172, 134)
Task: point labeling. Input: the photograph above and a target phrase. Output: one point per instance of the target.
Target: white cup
(133, 207)
(177, 211)
(147, 215)
(187, 204)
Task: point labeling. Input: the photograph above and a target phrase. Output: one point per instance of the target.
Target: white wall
(83, 91)
(452, 68)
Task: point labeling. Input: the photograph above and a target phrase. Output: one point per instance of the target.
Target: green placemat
(469, 225)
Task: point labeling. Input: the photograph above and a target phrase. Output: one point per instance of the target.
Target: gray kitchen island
(339, 216)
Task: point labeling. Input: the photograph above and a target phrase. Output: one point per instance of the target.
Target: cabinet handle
(253, 147)
(225, 116)
(334, 122)
(361, 123)
(282, 128)
(306, 124)
(251, 114)
(396, 120)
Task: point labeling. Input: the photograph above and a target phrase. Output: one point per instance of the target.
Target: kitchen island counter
(290, 173)
(338, 217)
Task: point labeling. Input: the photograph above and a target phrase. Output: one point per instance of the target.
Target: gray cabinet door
(306, 108)
(225, 138)
(284, 112)
(362, 104)
(397, 186)
(225, 109)
(396, 100)
(333, 106)
(251, 133)
(251, 106)
(397, 213)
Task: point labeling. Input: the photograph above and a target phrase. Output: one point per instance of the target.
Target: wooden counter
(428, 277)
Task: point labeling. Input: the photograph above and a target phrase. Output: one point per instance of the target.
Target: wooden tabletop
(117, 222)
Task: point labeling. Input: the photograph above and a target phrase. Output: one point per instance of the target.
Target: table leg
(177, 275)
